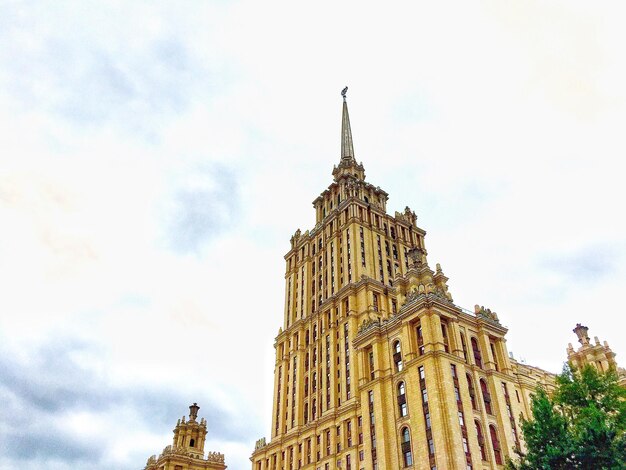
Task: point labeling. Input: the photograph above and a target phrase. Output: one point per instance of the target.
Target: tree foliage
(582, 425)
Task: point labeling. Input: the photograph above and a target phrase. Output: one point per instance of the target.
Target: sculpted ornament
(415, 256)
(368, 323)
(413, 294)
(486, 314)
(410, 216)
(296, 237)
(215, 457)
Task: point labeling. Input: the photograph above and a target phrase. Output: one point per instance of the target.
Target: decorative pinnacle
(193, 412)
(347, 148)
(581, 332)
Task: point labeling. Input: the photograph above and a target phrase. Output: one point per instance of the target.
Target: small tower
(191, 435)
(187, 449)
(599, 355)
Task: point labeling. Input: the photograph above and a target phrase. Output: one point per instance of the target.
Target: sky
(156, 157)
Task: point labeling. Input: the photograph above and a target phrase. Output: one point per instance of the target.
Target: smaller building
(187, 449)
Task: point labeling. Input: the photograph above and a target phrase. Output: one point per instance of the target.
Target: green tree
(581, 426)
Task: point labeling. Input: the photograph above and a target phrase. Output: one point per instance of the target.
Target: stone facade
(376, 367)
(187, 449)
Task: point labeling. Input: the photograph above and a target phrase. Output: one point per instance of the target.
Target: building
(598, 355)
(187, 449)
(376, 366)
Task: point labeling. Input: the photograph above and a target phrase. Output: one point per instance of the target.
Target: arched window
(420, 339)
(407, 455)
(464, 346)
(486, 396)
(306, 386)
(478, 359)
(472, 392)
(444, 333)
(313, 409)
(192, 443)
(495, 356)
(306, 413)
(314, 381)
(481, 440)
(397, 355)
(402, 406)
(495, 444)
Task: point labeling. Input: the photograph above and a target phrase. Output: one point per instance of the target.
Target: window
(495, 443)
(444, 333)
(477, 356)
(192, 443)
(472, 393)
(397, 356)
(420, 339)
(464, 346)
(407, 455)
(402, 399)
(481, 441)
(495, 356)
(486, 396)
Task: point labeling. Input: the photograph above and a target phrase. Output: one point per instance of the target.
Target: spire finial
(347, 149)
(193, 412)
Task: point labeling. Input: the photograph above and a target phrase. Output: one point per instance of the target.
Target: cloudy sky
(156, 157)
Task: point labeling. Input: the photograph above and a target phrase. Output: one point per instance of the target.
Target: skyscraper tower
(376, 367)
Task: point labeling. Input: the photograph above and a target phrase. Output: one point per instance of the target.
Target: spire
(348, 167)
(347, 149)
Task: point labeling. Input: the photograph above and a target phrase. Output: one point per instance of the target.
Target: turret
(190, 435)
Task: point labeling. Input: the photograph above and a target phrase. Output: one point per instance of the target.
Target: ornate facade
(187, 449)
(376, 366)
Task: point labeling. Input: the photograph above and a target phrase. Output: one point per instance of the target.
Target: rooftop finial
(347, 149)
(193, 412)
(581, 332)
